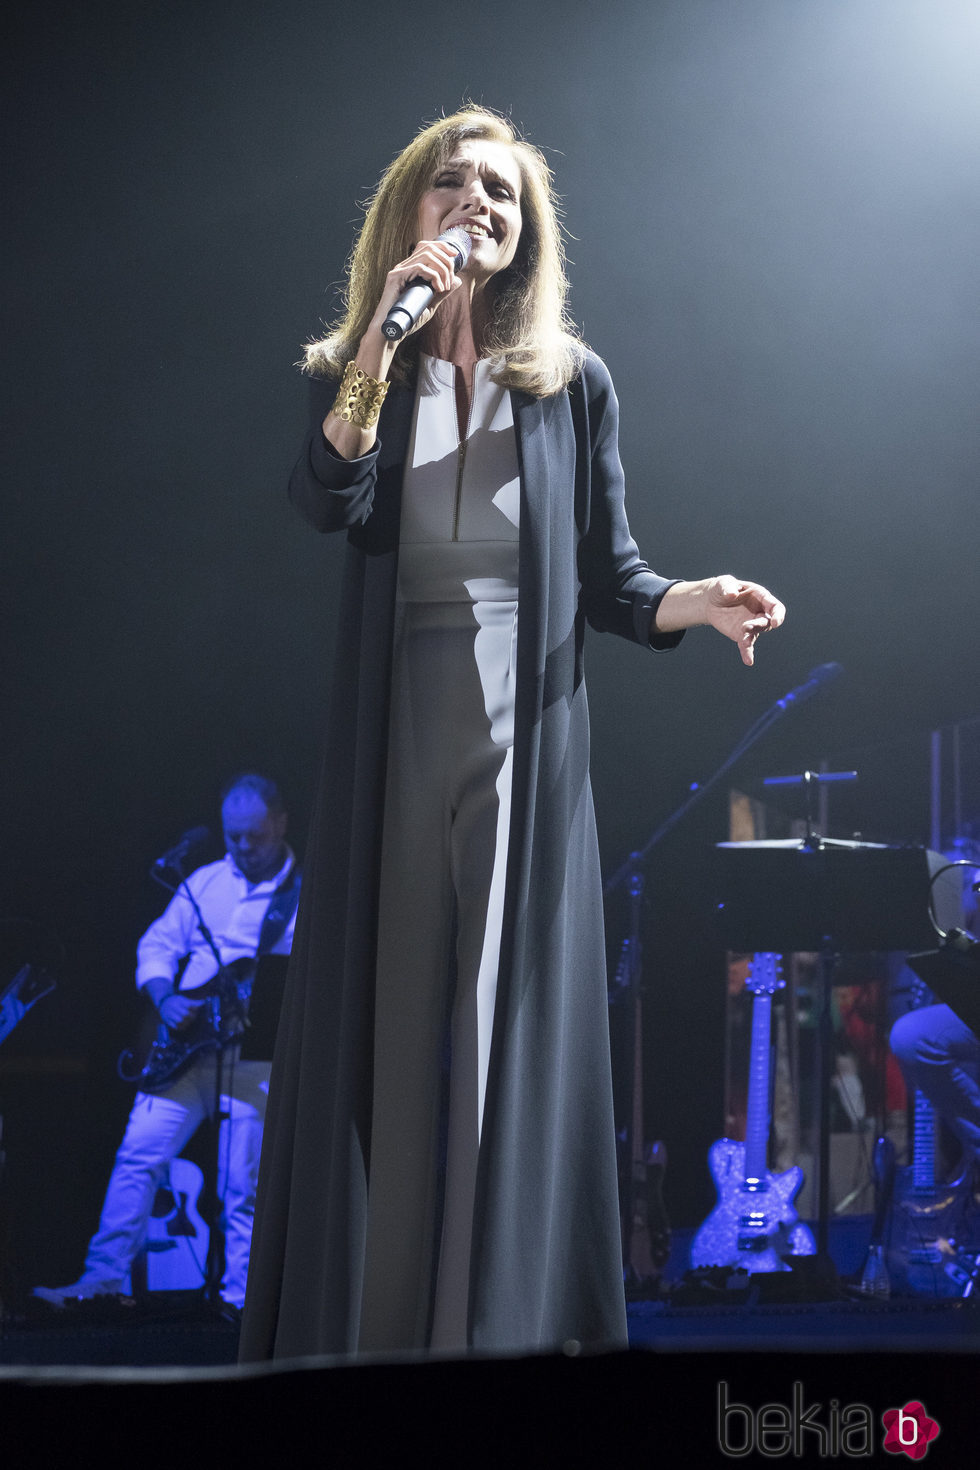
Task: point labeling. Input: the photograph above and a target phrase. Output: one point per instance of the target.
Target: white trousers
(444, 857)
(159, 1126)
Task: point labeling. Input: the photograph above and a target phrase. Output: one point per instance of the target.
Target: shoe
(79, 1291)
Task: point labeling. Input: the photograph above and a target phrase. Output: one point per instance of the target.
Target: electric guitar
(930, 1211)
(929, 1215)
(754, 1225)
(220, 1021)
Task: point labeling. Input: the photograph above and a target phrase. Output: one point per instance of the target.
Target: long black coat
(547, 1263)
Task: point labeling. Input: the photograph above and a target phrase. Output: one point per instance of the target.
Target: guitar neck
(923, 1145)
(757, 1120)
(923, 1121)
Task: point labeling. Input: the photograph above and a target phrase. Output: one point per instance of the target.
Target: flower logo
(909, 1430)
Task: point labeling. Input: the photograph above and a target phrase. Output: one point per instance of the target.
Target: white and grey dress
(444, 854)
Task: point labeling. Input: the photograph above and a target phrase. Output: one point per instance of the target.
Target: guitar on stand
(175, 1254)
(930, 1212)
(754, 1225)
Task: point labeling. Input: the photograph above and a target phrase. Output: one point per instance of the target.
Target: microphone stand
(699, 791)
(213, 1262)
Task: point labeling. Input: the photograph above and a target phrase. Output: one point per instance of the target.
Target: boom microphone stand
(817, 679)
(174, 863)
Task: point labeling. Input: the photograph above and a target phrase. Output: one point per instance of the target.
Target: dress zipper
(461, 458)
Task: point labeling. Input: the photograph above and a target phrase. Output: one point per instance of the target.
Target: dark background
(773, 210)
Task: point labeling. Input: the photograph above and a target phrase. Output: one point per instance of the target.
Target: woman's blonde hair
(530, 328)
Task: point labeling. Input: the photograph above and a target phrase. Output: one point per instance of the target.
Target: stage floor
(195, 1340)
(699, 1312)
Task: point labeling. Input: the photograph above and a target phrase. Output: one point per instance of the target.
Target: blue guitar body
(751, 1227)
(754, 1224)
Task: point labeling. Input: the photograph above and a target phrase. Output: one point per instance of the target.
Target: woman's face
(478, 188)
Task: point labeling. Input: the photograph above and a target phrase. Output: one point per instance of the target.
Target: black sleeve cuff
(644, 622)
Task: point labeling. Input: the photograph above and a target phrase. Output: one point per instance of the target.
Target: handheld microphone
(419, 293)
(196, 837)
(821, 675)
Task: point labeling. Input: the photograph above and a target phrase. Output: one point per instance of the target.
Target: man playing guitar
(238, 908)
(940, 1057)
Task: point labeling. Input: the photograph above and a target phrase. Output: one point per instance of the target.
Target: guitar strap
(282, 906)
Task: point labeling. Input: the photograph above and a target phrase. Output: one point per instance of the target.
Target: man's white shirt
(233, 910)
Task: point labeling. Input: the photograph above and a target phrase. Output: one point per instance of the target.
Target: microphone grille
(457, 236)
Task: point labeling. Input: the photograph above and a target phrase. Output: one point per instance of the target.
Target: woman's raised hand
(431, 260)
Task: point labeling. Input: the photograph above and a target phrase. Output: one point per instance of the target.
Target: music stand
(828, 896)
